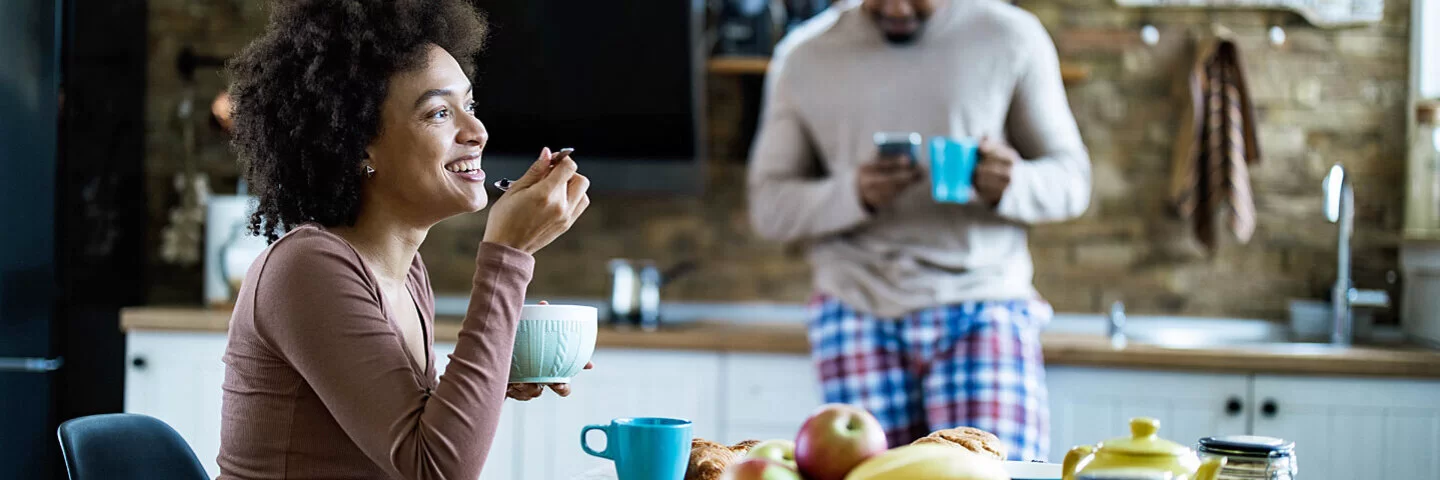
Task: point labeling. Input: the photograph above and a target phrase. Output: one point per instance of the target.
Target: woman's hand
(540, 206)
(527, 391)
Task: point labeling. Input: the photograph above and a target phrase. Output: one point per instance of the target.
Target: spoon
(504, 183)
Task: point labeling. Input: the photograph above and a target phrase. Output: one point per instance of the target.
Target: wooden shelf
(736, 65)
(739, 65)
(1073, 73)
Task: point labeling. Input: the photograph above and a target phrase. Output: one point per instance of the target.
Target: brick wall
(1325, 96)
(211, 27)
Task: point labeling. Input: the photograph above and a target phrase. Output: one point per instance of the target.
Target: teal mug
(646, 448)
(952, 168)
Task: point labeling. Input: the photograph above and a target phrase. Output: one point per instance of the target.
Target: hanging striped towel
(1215, 145)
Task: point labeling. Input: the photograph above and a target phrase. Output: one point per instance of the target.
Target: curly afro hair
(307, 96)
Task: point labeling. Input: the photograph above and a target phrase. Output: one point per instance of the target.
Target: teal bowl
(553, 343)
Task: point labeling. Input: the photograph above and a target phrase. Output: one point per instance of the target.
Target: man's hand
(882, 180)
(992, 175)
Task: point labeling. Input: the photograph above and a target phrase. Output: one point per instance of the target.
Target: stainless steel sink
(1203, 332)
(1177, 332)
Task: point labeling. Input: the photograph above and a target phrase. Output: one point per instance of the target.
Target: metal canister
(1250, 457)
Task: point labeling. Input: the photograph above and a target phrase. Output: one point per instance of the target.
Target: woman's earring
(369, 171)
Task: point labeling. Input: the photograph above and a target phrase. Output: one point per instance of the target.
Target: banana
(930, 462)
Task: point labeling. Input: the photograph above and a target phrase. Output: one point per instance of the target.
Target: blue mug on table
(644, 448)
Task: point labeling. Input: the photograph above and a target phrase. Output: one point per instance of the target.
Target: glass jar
(1251, 457)
(1422, 215)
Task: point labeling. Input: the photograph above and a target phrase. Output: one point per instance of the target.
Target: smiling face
(427, 154)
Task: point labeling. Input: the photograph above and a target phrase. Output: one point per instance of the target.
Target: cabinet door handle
(138, 362)
(1233, 406)
(1268, 408)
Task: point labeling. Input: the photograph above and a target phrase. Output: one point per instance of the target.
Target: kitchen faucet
(1340, 210)
(1115, 326)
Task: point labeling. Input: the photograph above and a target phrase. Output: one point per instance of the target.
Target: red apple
(835, 439)
(778, 451)
(759, 469)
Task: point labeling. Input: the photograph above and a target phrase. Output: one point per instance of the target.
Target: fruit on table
(759, 469)
(835, 439)
(778, 451)
(931, 462)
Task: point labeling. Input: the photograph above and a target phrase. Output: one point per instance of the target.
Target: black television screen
(619, 81)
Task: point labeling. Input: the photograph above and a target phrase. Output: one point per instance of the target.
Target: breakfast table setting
(846, 442)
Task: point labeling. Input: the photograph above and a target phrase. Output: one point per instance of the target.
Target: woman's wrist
(513, 243)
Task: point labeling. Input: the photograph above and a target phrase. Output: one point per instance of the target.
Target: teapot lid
(1143, 440)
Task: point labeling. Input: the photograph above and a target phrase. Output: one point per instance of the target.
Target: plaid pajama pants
(972, 364)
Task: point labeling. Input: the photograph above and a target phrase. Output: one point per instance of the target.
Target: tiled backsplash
(1325, 96)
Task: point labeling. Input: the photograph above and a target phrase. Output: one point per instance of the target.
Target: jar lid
(1427, 112)
(1143, 440)
(1248, 445)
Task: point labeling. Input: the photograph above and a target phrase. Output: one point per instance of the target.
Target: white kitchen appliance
(1420, 317)
(229, 247)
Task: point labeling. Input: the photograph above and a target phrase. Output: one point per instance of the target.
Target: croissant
(708, 460)
(969, 438)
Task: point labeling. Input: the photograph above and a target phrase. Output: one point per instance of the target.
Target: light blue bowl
(553, 343)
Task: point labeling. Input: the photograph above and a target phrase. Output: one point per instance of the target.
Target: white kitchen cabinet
(176, 377)
(624, 383)
(1348, 428)
(1088, 405)
(767, 396)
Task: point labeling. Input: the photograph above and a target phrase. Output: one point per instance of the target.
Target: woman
(355, 122)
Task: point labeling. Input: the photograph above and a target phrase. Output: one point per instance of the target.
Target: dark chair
(125, 446)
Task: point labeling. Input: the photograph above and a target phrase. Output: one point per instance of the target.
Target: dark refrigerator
(72, 205)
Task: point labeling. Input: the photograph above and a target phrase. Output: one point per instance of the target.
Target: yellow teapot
(1142, 451)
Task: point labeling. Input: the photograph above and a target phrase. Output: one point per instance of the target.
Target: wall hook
(1220, 31)
(188, 61)
(1150, 35)
(1277, 35)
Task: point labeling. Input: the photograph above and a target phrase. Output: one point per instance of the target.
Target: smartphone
(899, 143)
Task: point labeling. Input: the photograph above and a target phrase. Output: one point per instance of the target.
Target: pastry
(969, 438)
(708, 460)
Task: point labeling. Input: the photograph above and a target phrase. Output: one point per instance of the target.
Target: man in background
(924, 312)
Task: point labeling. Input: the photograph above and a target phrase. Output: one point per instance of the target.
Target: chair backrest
(126, 446)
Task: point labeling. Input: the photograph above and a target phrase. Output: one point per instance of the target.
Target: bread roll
(969, 438)
(708, 460)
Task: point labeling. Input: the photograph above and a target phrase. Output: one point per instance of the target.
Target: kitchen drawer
(771, 390)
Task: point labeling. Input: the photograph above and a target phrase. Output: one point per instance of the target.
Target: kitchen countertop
(1060, 348)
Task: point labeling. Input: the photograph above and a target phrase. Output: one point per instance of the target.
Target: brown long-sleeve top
(319, 383)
